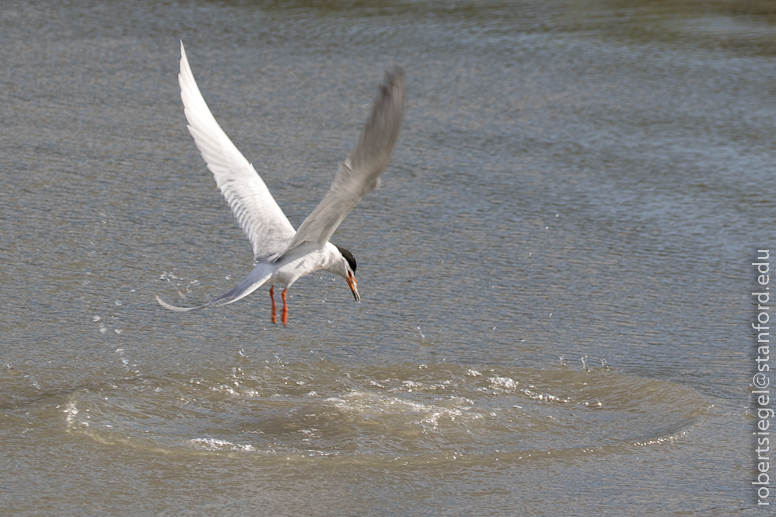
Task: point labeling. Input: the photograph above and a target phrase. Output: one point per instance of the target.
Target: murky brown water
(554, 271)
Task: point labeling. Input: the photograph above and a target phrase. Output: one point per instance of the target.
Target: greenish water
(555, 272)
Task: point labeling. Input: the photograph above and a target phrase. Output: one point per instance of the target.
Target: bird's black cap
(349, 257)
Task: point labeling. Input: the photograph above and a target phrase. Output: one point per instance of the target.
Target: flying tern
(283, 255)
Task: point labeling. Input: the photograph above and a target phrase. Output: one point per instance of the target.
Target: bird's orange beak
(353, 286)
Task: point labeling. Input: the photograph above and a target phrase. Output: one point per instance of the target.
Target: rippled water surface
(554, 272)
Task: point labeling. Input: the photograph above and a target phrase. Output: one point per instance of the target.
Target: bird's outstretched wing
(256, 211)
(360, 172)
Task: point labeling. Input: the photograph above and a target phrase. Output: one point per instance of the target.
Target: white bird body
(287, 272)
(282, 254)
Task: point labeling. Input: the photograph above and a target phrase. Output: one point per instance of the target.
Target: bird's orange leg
(272, 297)
(284, 314)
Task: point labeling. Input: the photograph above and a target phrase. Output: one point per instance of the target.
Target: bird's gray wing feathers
(256, 211)
(360, 172)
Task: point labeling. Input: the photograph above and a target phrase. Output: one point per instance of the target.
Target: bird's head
(347, 269)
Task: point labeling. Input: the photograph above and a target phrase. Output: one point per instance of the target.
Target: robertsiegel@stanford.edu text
(761, 379)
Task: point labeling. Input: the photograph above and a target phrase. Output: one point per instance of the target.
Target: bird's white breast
(290, 272)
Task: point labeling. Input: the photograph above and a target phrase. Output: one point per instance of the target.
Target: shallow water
(554, 272)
